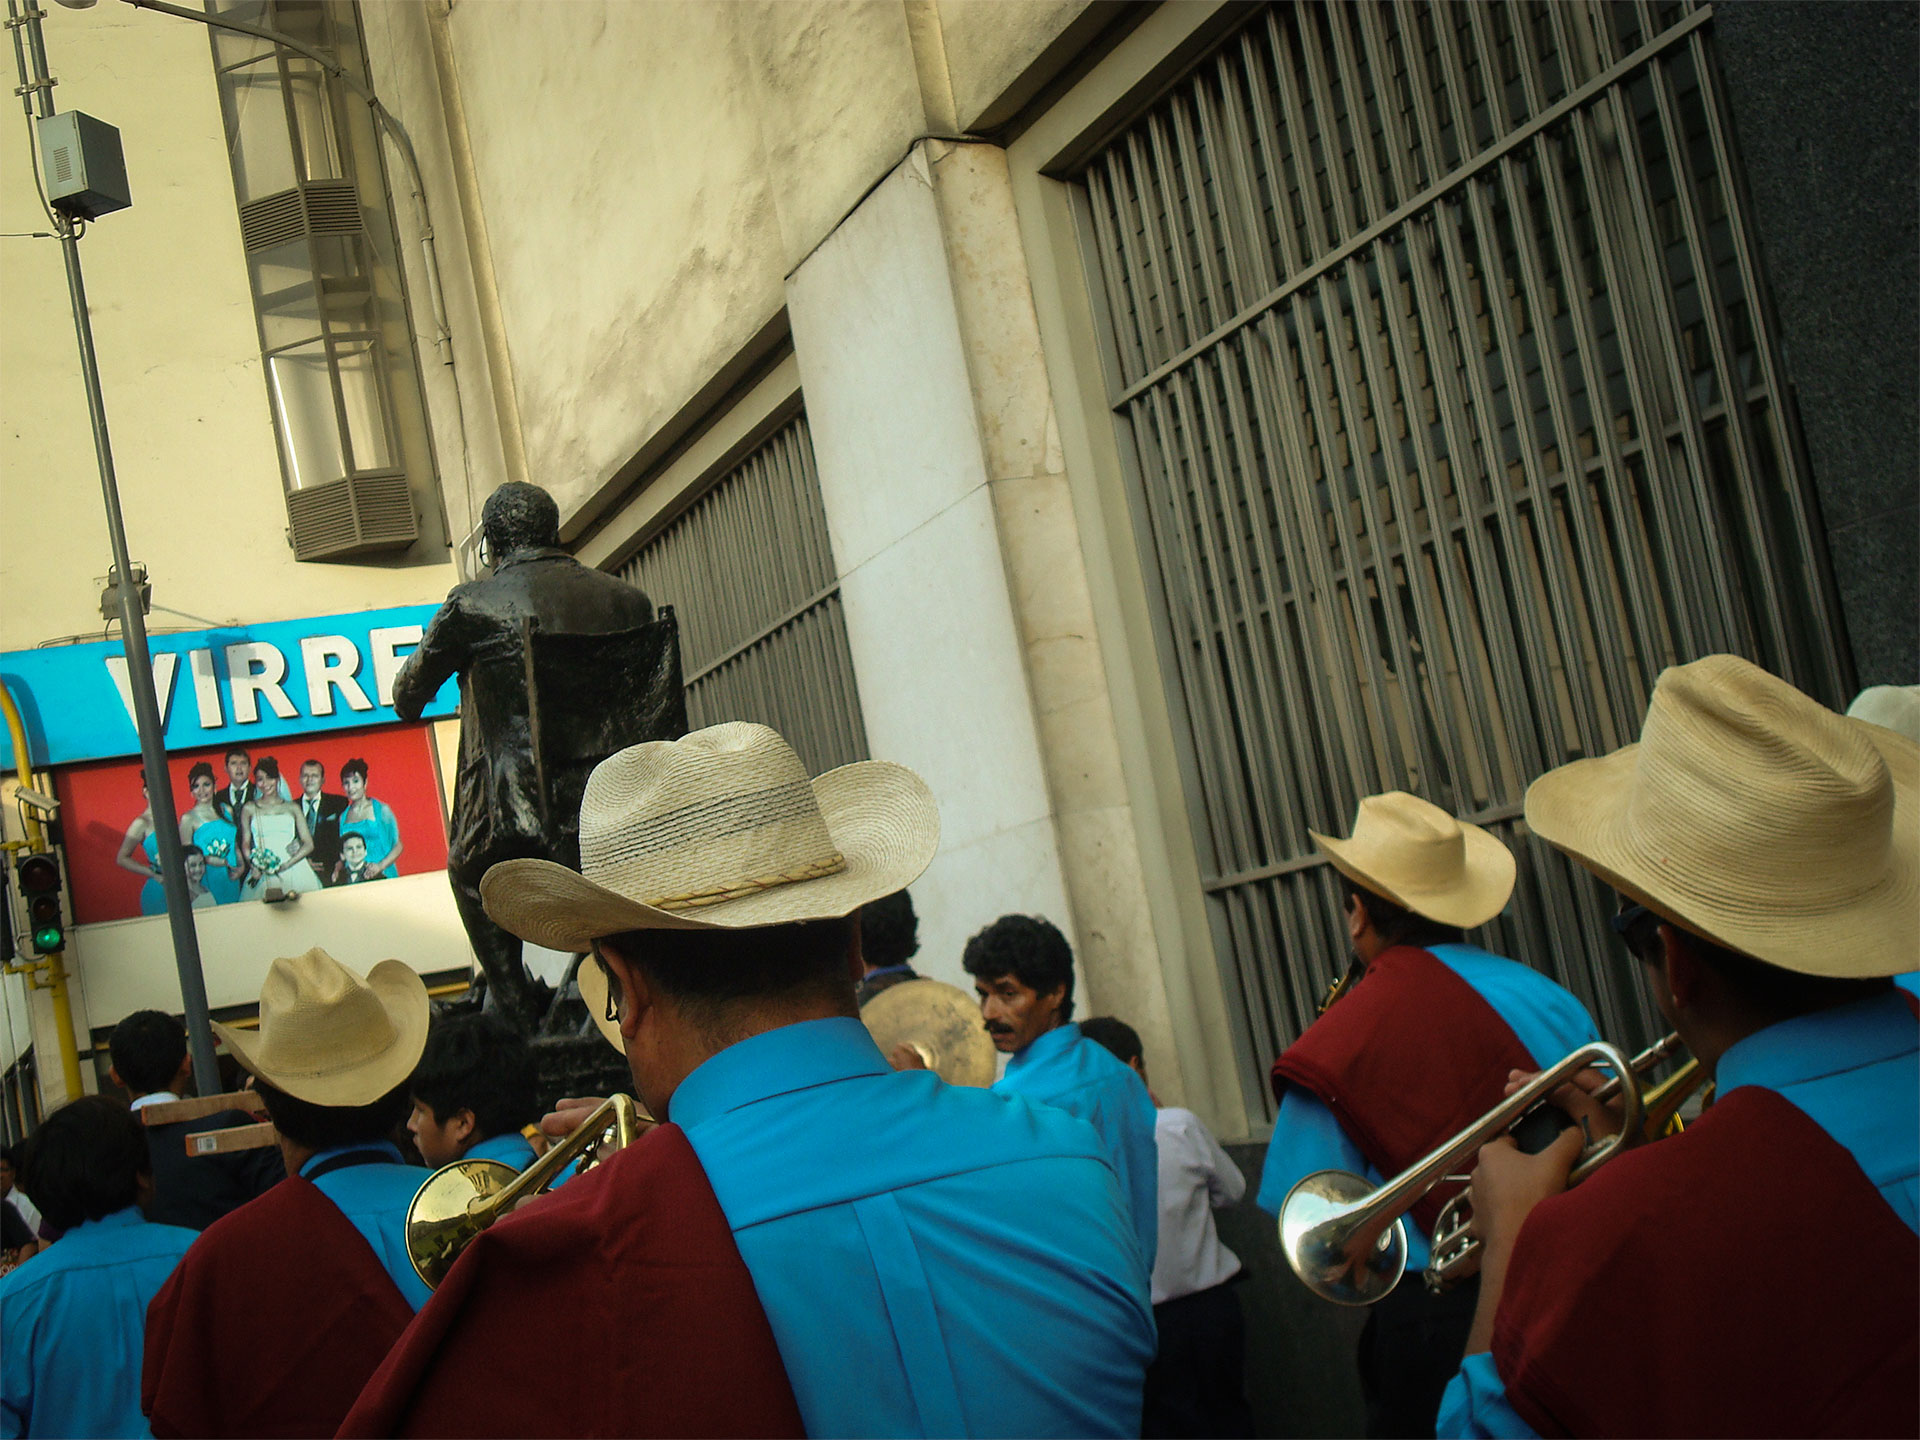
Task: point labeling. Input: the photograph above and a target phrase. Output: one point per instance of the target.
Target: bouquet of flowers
(216, 851)
(267, 860)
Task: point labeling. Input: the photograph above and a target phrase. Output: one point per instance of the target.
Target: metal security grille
(750, 574)
(1438, 347)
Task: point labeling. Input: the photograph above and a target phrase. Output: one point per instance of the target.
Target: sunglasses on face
(1639, 930)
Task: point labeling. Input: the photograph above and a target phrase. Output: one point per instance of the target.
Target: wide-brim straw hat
(1755, 817)
(329, 1037)
(720, 830)
(1412, 852)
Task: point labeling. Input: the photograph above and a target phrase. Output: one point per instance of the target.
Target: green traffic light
(47, 939)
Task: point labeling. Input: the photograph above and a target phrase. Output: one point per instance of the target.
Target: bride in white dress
(274, 838)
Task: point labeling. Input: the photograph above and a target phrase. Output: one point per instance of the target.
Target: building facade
(1158, 425)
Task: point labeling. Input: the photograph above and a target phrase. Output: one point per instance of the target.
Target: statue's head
(519, 516)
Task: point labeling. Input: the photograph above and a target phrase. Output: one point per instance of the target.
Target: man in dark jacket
(151, 1062)
(514, 798)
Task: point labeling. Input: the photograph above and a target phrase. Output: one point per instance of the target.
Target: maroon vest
(1743, 1278)
(271, 1323)
(617, 1305)
(1408, 1057)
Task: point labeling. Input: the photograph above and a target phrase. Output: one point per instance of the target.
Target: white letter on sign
(248, 685)
(385, 645)
(205, 692)
(165, 665)
(331, 660)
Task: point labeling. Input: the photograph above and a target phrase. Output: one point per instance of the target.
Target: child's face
(354, 852)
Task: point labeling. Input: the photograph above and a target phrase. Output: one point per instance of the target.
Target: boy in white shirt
(1196, 1385)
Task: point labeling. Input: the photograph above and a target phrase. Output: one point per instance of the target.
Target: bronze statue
(560, 666)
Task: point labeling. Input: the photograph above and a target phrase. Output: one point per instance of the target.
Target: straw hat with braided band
(720, 830)
(1412, 852)
(1756, 818)
(330, 1038)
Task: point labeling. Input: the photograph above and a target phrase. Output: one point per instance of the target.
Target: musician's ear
(634, 995)
(1680, 966)
(856, 959)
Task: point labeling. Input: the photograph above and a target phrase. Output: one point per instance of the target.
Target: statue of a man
(481, 633)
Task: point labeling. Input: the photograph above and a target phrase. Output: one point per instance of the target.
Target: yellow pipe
(56, 980)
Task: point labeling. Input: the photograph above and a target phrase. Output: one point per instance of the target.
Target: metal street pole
(37, 93)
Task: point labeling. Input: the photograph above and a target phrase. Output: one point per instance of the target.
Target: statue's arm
(437, 656)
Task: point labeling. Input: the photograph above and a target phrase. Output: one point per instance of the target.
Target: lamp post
(36, 89)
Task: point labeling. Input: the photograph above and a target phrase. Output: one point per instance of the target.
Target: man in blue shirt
(473, 1091)
(1763, 850)
(1418, 1047)
(931, 1259)
(73, 1318)
(1022, 969)
(282, 1276)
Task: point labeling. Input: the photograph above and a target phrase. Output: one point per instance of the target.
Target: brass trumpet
(1455, 1245)
(1347, 1239)
(460, 1200)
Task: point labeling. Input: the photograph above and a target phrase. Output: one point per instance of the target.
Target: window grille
(1439, 355)
(749, 571)
(335, 341)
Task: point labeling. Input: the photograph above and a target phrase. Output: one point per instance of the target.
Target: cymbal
(941, 1022)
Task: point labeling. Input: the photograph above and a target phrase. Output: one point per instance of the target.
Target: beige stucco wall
(649, 174)
(180, 368)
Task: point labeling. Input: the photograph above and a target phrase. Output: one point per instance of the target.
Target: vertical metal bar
(1266, 131)
(1713, 315)
(1120, 303)
(1326, 123)
(1301, 149)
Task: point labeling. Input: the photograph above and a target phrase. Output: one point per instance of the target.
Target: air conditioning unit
(360, 515)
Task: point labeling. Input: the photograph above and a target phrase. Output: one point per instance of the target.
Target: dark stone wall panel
(1827, 121)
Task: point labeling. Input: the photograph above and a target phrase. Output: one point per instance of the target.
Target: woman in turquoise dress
(371, 818)
(215, 834)
(140, 836)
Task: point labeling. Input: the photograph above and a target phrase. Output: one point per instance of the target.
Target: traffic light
(40, 888)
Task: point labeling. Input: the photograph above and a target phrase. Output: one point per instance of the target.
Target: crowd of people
(821, 1239)
(254, 839)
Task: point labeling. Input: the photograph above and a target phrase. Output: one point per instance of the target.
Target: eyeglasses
(1639, 929)
(613, 988)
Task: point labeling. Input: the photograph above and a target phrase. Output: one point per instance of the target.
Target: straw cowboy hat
(1412, 852)
(330, 1038)
(1756, 818)
(720, 830)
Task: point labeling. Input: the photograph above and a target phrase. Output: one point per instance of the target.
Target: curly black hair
(1028, 948)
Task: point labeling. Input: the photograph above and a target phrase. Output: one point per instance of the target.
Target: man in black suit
(323, 813)
(150, 1061)
(238, 790)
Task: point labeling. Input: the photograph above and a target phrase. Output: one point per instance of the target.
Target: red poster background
(99, 800)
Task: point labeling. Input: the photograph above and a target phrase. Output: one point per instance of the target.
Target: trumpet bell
(449, 1210)
(1349, 1264)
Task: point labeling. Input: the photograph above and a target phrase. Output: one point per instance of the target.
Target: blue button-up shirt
(934, 1260)
(1065, 1069)
(375, 1198)
(73, 1322)
(1854, 1071)
(1548, 1021)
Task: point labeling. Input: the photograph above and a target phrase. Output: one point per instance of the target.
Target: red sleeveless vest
(271, 1323)
(1742, 1278)
(618, 1305)
(1408, 1057)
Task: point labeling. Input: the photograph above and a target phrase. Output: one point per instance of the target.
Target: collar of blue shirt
(1827, 1042)
(1055, 1042)
(388, 1151)
(776, 1062)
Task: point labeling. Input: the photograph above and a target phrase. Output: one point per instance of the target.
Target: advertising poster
(264, 815)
